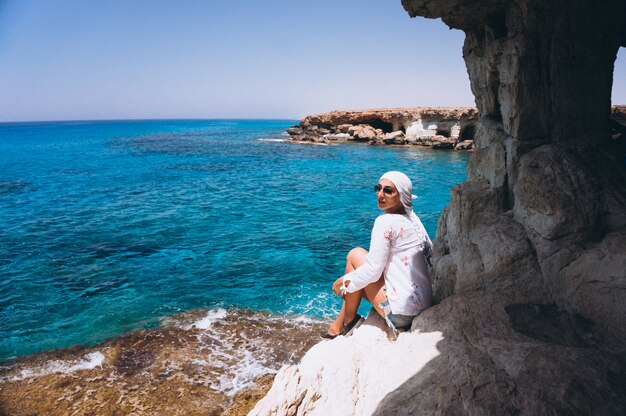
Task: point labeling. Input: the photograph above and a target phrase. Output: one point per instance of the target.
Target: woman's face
(389, 203)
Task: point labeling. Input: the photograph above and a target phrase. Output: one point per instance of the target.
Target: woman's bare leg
(355, 258)
(375, 294)
(372, 292)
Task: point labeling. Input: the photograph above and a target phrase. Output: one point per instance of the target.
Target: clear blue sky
(90, 59)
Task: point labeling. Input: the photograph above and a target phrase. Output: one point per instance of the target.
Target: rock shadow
(512, 359)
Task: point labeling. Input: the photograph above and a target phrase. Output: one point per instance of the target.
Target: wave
(88, 362)
(272, 140)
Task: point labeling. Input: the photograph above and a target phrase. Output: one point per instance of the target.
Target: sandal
(326, 335)
(346, 329)
(351, 325)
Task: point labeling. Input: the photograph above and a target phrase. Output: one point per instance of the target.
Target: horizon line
(87, 120)
(146, 119)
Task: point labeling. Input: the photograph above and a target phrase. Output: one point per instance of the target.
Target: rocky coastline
(196, 363)
(436, 127)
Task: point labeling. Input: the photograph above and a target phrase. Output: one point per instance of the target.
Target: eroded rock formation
(437, 127)
(340, 378)
(531, 252)
(545, 166)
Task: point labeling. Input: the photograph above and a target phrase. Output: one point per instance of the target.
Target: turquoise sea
(108, 227)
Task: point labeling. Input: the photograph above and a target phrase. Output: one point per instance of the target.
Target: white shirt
(400, 250)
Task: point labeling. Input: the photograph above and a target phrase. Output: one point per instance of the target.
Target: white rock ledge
(349, 375)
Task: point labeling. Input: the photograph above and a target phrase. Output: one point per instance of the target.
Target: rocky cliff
(437, 127)
(531, 252)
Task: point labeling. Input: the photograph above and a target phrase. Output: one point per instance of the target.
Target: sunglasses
(388, 190)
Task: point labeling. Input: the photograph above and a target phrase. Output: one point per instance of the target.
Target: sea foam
(207, 321)
(89, 362)
(271, 140)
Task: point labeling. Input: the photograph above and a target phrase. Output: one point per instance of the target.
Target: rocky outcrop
(345, 376)
(531, 252)
(437, 127)
(538, 354)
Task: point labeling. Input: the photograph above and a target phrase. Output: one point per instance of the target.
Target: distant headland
(435, 127)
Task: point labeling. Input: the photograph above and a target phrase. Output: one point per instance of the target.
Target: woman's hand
(337, 287)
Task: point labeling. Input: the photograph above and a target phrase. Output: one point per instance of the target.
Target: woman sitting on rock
(394, 275)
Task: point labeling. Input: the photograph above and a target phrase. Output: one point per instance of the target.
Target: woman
(394, 275)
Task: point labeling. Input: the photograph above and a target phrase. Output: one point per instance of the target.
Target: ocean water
(112, 227)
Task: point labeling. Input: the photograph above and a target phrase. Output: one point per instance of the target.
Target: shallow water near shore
(113, 227)
(193, 363)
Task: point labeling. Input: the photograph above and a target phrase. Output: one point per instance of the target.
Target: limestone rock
(344, 128)
(541, 218)
(496, 357)
(349, 375)
(395, 137)
(337, 137)
(501, 359)
(464, 145)
(244, 401)
(436, 141)
(419, 126)
(443, 142)
(364, 132)
(294, 130)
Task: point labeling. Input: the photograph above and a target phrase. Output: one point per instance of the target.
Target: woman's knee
(357, 253)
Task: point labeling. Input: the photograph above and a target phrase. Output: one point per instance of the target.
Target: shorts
(400, 321)
(394, 320)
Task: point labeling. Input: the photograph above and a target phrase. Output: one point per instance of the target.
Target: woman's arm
(376, 259)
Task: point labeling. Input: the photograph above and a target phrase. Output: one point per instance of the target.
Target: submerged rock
(196, 363)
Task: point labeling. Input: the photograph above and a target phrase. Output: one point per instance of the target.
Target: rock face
(531, 252)
(341, 377)
(436, 127)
